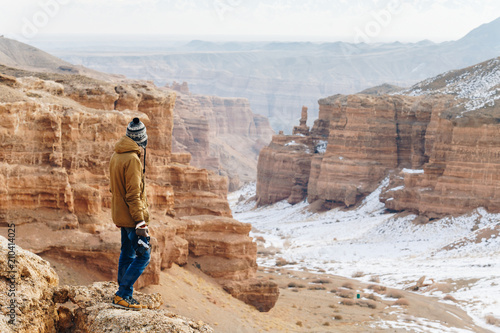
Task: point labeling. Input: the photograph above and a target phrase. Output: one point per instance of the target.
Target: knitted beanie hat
(136, 130)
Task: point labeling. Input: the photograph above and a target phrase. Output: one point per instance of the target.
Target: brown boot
(126, 303)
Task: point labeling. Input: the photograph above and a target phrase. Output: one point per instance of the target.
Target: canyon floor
(309, 302)
(455, 257)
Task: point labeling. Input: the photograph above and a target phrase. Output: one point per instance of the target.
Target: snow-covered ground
(479, 86)
(369, 240)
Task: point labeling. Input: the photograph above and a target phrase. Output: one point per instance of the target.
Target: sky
(288, 20)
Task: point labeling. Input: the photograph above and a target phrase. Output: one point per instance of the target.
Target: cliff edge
(33, 301)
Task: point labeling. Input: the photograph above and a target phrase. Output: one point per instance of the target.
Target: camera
(143, 246)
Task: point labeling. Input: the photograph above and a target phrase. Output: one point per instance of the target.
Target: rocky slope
(221, 134)
(58, 135)
(475, 87)
(27, 283)
(41, 305)
(440, 151)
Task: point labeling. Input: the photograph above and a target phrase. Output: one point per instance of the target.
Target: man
(129, 208)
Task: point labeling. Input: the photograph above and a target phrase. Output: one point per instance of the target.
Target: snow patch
(479, 86)
(413, 171)
(321, 146)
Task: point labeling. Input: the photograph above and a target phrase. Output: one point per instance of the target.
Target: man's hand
(141, 229)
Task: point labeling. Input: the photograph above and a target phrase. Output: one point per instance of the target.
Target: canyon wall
(355, 141)
(441, 160)
(368, 136)
(222, 134)
(58, 135)
(463, 169)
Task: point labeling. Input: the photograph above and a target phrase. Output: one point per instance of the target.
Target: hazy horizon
(371, 21)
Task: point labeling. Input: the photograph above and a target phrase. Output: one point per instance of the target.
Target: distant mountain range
(23, 56)
(279, 77)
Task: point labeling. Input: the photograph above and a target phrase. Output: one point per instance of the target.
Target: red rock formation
(450, 159)
(221, 248)
(302, 128)
(222, 134)
(367, 137)
(283, 169)
(57, 141)
(463, 169)
(257, 292)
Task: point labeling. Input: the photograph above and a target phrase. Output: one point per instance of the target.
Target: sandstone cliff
(438, 142)
(355, 141)
(368, 136)
(222, 134)
(462, 146)
(58, 136)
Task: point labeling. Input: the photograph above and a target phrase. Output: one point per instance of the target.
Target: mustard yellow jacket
(129, 204)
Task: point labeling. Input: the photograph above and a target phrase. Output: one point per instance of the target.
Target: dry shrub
(322, 281)
(402, 302)
(333, 306)
(375, 279)
(449, 298)
(338, 317)
(358, 274)
(321, 271)
(348, 285)
(316, 288)
(345, 294)
(376, 288)
(334, 290)
(301, 286)
(492, 320)
(367, 304)
(326, 323)
(282, 262)
(373, 297)
(292, 285)
(295, 290)
(348, 302)
(299, 323)
(394, 294)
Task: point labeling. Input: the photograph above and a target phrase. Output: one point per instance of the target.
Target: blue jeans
(130, 266)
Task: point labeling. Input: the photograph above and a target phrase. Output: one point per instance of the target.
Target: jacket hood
(126, 145)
